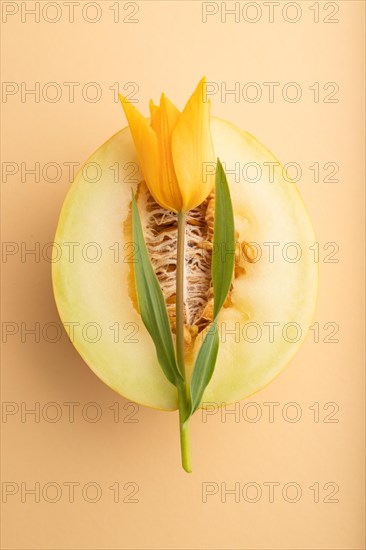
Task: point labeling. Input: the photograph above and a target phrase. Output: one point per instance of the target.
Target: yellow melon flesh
(272, 304)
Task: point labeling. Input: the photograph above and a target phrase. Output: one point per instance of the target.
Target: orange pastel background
(129, 464)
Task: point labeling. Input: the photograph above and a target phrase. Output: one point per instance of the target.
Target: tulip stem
(185, 445)
(179, 331)
(179, 317)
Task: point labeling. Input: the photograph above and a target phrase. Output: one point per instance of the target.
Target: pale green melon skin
(278, 291)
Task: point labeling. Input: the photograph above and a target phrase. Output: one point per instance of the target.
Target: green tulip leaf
(152, 304)
(204, 366)
(223, 255)
(223, 258)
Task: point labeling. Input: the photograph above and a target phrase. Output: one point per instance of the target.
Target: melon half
(271, 303)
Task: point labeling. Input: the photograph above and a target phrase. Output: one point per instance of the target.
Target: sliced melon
(273, 295)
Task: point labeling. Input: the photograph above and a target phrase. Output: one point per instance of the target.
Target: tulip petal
(147, 149)
(153, 108)
(163, 121)
(192, 147)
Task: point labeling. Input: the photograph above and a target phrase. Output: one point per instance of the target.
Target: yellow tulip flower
(173, 149)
